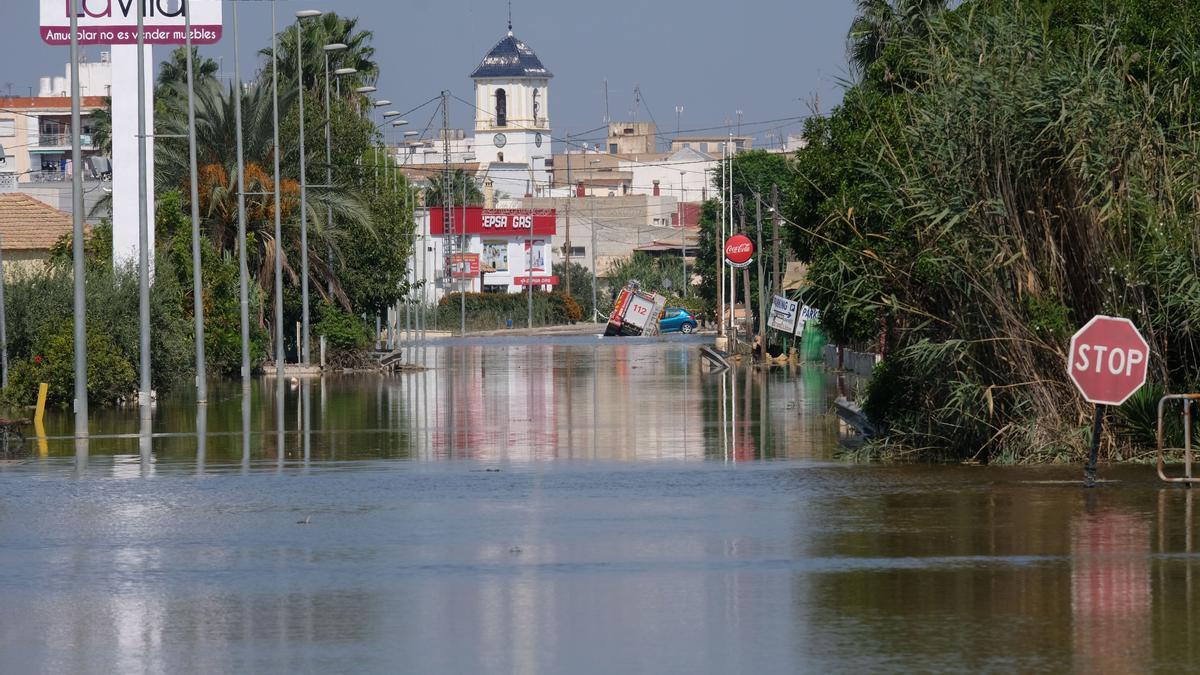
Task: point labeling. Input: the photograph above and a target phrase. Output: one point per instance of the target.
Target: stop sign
(1108, 360)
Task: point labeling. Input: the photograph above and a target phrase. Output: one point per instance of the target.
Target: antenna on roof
(510, 18)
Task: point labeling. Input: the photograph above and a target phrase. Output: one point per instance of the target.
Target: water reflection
(502, 403)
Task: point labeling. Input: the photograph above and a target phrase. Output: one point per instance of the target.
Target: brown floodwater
(571, 505)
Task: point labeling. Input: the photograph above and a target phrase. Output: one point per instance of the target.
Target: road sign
(1108, 360)
(738, 251)
(783, 314)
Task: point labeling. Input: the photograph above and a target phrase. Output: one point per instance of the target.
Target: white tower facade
(512, 118)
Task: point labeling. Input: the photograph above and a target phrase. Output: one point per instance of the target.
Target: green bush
(111, 375)
(344, 333)
(492, 311)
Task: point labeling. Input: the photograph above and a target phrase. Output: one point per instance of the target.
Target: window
(537, 106)
(612, 148)
(8, 128)
(501, 108)
(578, 252)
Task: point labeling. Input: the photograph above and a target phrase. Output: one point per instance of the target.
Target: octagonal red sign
(1108, 360)
(738, 250)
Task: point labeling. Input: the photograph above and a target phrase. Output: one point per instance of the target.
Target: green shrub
(111, 375)
(344, 332)
(492, 311)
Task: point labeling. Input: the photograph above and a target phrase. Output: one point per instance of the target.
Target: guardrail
(1189, 401)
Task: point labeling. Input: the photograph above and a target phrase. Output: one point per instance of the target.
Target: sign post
(1107, 361)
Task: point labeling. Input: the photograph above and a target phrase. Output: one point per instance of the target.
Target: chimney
(657, 190)
(489, 194)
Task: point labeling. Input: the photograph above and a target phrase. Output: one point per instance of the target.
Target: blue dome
(511, 58)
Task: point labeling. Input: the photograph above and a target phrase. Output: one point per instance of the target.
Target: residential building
(28, 230)
(35, 134)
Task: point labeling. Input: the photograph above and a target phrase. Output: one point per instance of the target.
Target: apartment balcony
(61, 142)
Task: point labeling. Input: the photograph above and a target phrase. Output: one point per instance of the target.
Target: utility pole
(143, 223)
(719, 265)
(570, 196)
(592, 226)
(280, 358)
(745, 274)
(243, 271)
(447, 207)
(762, 293)
(683, 235)
(197, 264)
(776, 279)
(80, 308)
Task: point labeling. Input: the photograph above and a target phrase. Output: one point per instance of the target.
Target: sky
(770, 59)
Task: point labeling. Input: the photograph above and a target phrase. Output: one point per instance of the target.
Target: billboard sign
(477, 220)
(114, 22)
(784, 313)
(542, 280)
(464, 265)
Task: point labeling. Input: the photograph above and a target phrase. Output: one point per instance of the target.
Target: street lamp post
(462, 297)
(683, 233)
(529, 270)
(197, 282)
(243, 272)
(305, 341)
(329, 49)
(279, 346)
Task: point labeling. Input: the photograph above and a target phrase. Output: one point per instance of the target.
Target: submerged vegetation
(1000, 173)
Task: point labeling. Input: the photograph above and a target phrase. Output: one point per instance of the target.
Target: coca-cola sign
(739, 250)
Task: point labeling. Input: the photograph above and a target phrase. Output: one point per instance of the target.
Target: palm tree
(216, 158)
(328, 29)
(174, 71)
(461, 183)
(878, 23)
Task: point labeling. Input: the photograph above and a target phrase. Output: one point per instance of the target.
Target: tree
(879, 23)
(172, 73)
(329, 28)
(461, 183)
(217, 153)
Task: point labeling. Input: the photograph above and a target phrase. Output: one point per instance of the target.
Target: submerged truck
(635, 312)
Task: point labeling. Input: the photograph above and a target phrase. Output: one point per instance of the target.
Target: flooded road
(574, 506)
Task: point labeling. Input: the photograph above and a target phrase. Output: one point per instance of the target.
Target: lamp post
(329, 49)
(593, 228)
(305, 342)
(279, 347)
(243, 273)
(683, 233)
(197, 282)
(462, 297)
(529, 270)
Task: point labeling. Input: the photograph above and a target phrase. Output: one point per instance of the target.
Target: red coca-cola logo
(738, 249)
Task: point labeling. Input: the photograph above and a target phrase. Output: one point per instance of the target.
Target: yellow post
(39, 417)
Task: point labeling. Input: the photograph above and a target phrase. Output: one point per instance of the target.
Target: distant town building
(35, 131)
(632, 138)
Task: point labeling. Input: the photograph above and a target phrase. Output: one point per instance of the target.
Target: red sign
(1108, 360)
(536, 281)
(464, 265)
(493, 222)
(738, 250)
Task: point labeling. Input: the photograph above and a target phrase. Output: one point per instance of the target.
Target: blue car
(677, 320)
